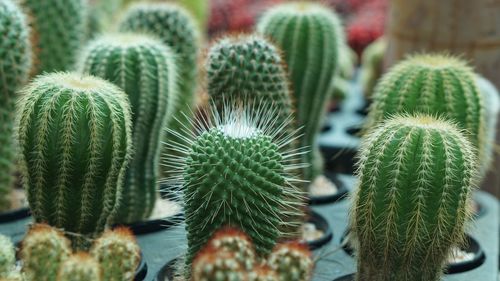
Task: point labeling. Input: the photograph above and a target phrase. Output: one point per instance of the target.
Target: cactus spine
(7, 257)
(145, 69)
(118, 254)
(214, 266)
(74, 135)
(308, 34)
(432, 84)
(80, 267)
(15, 64)
(174, 26)
(411, 204)
(43, 250)
(292, 262)
(58, 30)
(235, 241)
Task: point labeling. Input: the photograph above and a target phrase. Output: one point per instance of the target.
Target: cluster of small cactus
(15, 64)
(145, 69)
(7, 259)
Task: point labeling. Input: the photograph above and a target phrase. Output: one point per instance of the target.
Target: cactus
(291, 261)
(80, 267)
(174, 26)
(15, 64)
(217, 266)
(58, 30)
(7, 257)
(234, 241)
(412, 200)
(263, 273)
(308, 34)
(432, 84)
(74, 135)
(145, 69)
(372, 63)
(43, 250)
(100, 15)
(118, 253)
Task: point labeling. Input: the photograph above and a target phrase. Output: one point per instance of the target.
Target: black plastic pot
(167, 272)
(150, 226)
(327, 199)
(321, 224)
(13, 215)
(349, 277)
(142, 270)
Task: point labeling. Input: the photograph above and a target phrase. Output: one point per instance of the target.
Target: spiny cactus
(74, 135)
(7, 257)
(432, 84)
(15, 64)
(118, 254)
(234, 241)
(175, 27)
(263, 273)
(80, 267)
(145, 69)
(308, 34)
(100, 15)
(411, 204)
(233, 174)
(58, 30)
(217, 266)
(372, 65)
(43, 250)
(292, 262)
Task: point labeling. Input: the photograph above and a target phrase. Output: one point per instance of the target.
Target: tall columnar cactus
(15, 64)
(292, 262)
(432, 84)
(175, 27)
(74, 136)
(118, 254)
(308, 34)
(213, 266)
(58, 30)
(7, 257)
(80, 267)
(145, 69)
(43, 250)
(411, 204)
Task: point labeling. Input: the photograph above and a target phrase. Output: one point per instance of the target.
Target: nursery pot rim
(333, 198)
(142, 269)
(154, 225)
(321, 224)
(14, 214)
(167, 270)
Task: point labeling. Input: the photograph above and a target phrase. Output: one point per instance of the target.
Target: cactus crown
(291, 261)
(411, 205)
(218, 265)
(235, 241)
(80, 267)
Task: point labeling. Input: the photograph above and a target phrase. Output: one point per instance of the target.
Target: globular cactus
(234, 241)
(42, 252)
(7, 257)
(308, 34)
(291, 261)
(100, 15)
(176, 29)
(80, 267)
(435, 84)
(263, 273)
(74, 137)
(118, 254)
(58, 30)
(145, 69)
(217, 266)
(15, 64)
(411, 204)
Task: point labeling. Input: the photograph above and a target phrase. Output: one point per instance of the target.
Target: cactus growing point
(80, 267)
(291, 261)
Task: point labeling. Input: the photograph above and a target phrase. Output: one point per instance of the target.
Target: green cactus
(236, 242)
(308, 34)
(15, 64)
(80, 267)
(263, 273)
(372, 65)
(100, 16)
(43, 250)
(217, 266)
(74, 135)
(411, 204)
(175, 27)
(118, 253)
(292, 262)
(432, 84)
(7, 257)
(58, 30)
(145, 69)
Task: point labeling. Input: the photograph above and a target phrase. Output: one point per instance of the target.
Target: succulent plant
(7, 257)
(74, 137)
(15, 64)
(291, 261)
(175, 28)
(435, 84)
(411, 205)
(372, 65)
(264, 273)
(234, 241)
(80, 267)
(308, 34)
(43, 250)
(217, 265)
(58, 30)
(100, 15)
(145, 69)
(118, 254)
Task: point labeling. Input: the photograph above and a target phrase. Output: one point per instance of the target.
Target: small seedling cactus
(74, 135)
(58, 30)
(43, 250)
(308, 34)
(7, 257)
(292, 262)
(212, 265)
(234, 241)
(80, 267)
(15, 64)
(118, 254)
(264, 273)
(145, 69)
(411, 205)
